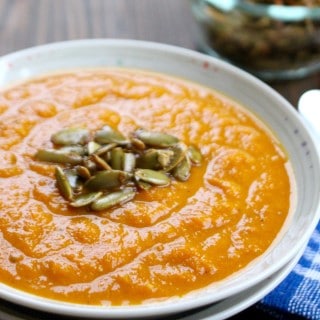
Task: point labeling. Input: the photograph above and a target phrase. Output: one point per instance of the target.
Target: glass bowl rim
(284, 13)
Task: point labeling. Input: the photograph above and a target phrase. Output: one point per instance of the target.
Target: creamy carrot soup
(167, 240)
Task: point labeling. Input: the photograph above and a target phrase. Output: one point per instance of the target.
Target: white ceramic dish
(239, 302)
(260, 99)
(218, 311)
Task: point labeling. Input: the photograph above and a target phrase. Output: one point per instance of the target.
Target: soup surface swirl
(168, 240)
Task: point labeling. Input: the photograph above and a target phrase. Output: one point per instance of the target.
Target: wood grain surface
(26, 23)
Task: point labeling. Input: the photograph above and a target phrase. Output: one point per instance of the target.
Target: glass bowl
(272, 41)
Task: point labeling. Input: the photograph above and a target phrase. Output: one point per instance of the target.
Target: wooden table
(26, 23)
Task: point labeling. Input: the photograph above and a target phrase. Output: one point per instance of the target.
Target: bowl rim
(71, 309)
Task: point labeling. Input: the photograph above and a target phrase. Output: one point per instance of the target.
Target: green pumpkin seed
(179, 151)
(182, 171)
(149, 160)
(83, 172)
(109, 135)
(106, 179)
(100, 162)
(80, 150)
(129, 162)
(116, 160)
(92, 147)
(112, 199)
(107, 156)
(104, 149)
(73, 178)
(85, 199)
(70, 136)
(138, 144)
(156, 139)
(58, 156)
(158, 178)
(165, 157)
(112, 162)
(194, 155)
(143, 185)
(63, 184)
(90, 165)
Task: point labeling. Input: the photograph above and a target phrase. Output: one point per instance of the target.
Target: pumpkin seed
(137, 143)
(70, 136)
(80, 150)
(92, 147)
(129, 162)
(85, 199)
(179, 151)
(58, 156)
(194, 155)
(158, 178)
(112, 199)
(149, 160)
(143, 185)
(107, 179)
(182, 171)
(165, 157)
(104, 149)
(100, 162)
(156, 139)
(116, 160)
(83, 172)
(107, 156)
(90, 165)
(63, 184)
(73, 178)
(109, 135)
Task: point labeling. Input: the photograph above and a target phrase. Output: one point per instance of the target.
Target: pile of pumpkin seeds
(105, 168)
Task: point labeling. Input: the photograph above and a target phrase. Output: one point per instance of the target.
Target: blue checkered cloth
(299, 294)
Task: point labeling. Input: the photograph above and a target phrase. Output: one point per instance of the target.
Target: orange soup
(166, 241)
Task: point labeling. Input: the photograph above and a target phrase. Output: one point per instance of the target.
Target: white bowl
(260, 99)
